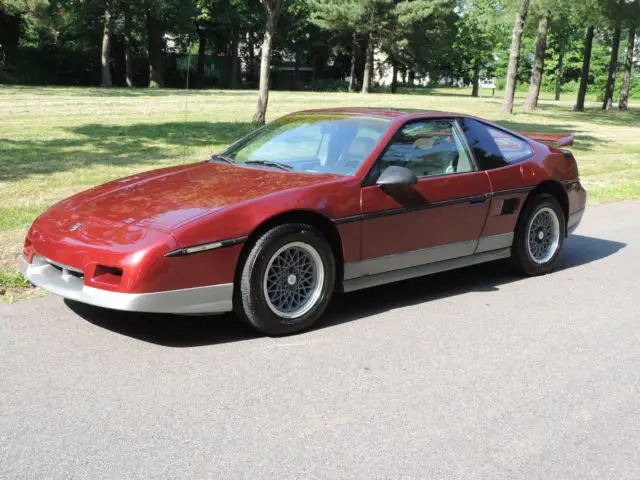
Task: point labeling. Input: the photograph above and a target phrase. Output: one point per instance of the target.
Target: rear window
(512, 148)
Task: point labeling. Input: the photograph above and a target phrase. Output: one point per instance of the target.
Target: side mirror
(396, 176)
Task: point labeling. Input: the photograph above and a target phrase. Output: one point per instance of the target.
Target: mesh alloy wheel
(543, 236)
(539, 235)
(293, 280)
(287, 280)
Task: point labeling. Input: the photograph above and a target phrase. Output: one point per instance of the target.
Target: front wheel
(287, 280)
(539, 235)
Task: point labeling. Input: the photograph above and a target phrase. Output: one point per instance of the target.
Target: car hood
(168, 198)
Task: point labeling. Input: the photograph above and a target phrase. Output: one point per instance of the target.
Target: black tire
(251, 303)
(521, 255)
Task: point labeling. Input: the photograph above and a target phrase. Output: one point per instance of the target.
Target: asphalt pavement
(471, 374)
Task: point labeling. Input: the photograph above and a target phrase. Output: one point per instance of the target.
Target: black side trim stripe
(512, 191)
(428, 205)
(206, 247)
(399, 210)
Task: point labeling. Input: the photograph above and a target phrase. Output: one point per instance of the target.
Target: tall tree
(201, 60)
(514, 56)
(370, 19)
(243, 19)
(307, 42)
(165, 19)
(202, 22)
(155, 43)
(354, 59)
(479, 31)
(13, 24)
(394, 75)
(127, 40)
(564, 33)
(531, 102)
(367, 79)
(417, 33)
(628, 64)
(590, 14)
(607, 103)
(234, 81)
(559, 73)
(105, 58)
(273, 9)
(347, 17)
(586, 67)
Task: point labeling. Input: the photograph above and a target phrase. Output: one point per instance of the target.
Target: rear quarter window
(512, 148)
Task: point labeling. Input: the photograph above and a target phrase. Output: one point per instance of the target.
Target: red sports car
(317, 201)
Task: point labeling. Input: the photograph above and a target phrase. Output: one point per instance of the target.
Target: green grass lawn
(58, 141)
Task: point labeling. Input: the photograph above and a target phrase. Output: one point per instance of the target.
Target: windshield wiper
(269, 163)
(221, 158)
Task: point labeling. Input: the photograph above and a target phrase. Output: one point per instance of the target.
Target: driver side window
(429, 148)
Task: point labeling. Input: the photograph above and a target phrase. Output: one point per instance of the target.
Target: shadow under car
(181, 331)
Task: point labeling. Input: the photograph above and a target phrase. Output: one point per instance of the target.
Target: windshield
(312, 143)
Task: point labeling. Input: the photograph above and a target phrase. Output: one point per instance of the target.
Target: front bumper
(209, 299)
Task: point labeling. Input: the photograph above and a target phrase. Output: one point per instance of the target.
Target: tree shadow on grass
(95, 144)
(426, 92)
(595, 115)
(196, 134)
(178, 331)
(629, 118)
(142, 143)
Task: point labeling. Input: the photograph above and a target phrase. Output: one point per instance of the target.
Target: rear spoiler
(556, 139)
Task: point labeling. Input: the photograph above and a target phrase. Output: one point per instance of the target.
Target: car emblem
(75, 227)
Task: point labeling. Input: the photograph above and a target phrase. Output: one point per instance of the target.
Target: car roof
(389, 112)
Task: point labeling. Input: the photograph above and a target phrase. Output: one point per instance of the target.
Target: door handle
(478, 200)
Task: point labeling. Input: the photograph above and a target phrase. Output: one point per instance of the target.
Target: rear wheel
(286, 281)
(539, 236)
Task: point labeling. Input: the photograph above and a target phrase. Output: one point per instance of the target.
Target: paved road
(472, 374)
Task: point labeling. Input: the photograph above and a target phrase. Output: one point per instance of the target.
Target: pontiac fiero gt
(315, 202)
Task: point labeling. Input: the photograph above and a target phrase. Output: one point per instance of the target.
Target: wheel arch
(554, 188)
(308, 217)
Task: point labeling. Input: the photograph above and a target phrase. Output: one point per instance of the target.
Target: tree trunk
(531, 103)
(476, 78)
(368, 66)
(559, 74)
(265, 67)
(296, 71)
(317, 67)
(128, 57)
(251, 61)
(235, 64)
(607, 104)
(354, 58)
(394, 76)
(106, 49)
(586, 67)
(628, 66)
(156, 52)
(514, 57)
(202, 57)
